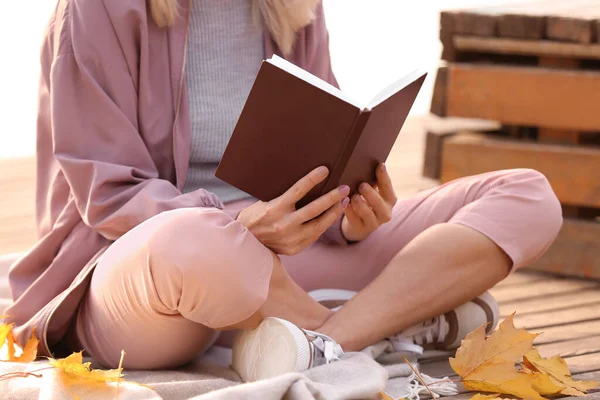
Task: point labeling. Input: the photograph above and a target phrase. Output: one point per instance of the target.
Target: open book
(293, 122)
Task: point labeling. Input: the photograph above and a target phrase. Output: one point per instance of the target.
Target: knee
(182, 235)
(211, 262)
(541, 208)
(537, 189)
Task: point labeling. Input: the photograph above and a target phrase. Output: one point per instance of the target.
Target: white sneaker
(444, 332)
(277, 346)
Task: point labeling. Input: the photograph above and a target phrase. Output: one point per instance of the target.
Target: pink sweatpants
(160, 290)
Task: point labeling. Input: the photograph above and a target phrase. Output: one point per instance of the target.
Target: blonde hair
(282, 18)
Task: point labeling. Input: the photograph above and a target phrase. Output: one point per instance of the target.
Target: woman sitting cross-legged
(138, 241)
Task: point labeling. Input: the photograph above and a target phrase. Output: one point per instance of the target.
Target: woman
(139, 242)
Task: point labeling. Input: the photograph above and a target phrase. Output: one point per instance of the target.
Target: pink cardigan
(113, 143)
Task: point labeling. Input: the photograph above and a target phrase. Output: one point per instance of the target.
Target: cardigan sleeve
(93, 119)
(110, 172)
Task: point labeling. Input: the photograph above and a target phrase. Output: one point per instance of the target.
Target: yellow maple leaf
(558, 372)
(542, 383)
(7, 338)
(5, 331)
(74, 367)
(487, 364)
(29, 351)
(11, 346)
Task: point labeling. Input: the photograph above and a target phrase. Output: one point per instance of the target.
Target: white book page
(313, 80)
(395, 87)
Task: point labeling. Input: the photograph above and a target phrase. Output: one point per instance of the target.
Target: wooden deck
(567, 311)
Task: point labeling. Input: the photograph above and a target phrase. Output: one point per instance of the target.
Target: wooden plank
(571, 348)
(434, 142)
(537, 290)
(547, 98)
(560, 301)
(438, 100)
(439, 129)
(471, 22)
(540, 320)
(584, 363)
(574, 25)
(523, 278)
(575, 252)
(580, 212)
(538, 48)
(528, 20)
(558, 62)
(567, 168)
(517, 19)
(558, 136)
(573, 331)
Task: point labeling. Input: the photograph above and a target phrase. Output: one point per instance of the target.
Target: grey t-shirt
(225, 49)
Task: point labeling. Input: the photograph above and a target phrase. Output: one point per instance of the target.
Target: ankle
(332, 330)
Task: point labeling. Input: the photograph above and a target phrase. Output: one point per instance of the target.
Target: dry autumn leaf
(5, 331)
(558, 372)
(29, 351)
(542, 382)
(74, 367)
(385, 396)
(487, 364)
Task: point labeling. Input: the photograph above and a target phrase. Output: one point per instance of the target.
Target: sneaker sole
(274, 348)
(332, 298)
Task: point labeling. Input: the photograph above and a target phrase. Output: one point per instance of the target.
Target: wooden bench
(532, 69)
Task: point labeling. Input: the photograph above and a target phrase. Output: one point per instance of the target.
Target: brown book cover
(293, 122)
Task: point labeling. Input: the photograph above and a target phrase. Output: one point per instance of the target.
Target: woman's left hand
(370, 208)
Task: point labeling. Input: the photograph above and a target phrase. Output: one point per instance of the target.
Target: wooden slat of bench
(537, 290)
(524, 96)
(575, 252)
(538, 48)
(567, 168)
(555, 302)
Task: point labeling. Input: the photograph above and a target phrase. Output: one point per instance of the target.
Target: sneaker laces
(330, 349)
(438, 387)
(413, 338)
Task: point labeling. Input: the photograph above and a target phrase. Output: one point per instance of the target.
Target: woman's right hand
(283, 229)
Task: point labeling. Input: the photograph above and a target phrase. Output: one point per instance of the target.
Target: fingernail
(322, 171)
(357, 199)
(383, 169)
(345, 202)
(344, 190)
(363, 186)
